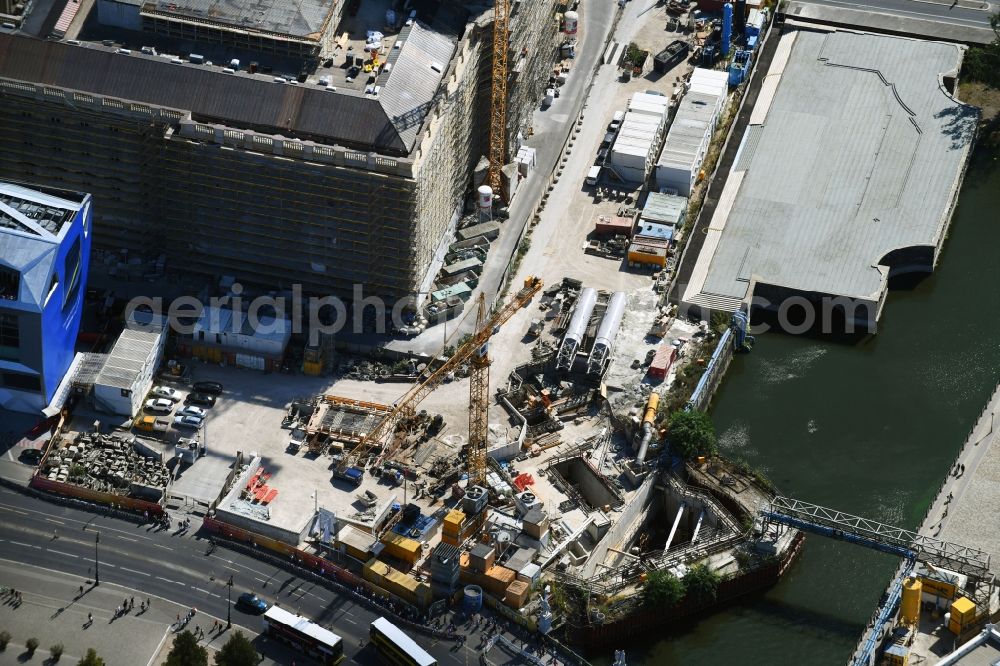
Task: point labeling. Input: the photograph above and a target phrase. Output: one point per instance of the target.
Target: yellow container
(910, 607)
(375, 571)
(938, 588)
(401, 547)
(313, 368)
(453, 522)
(963, 608)
(963, 615)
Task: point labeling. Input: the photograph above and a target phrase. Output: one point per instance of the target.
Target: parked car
(159, 405)
(616, 121)
(187, 422)
(191, 410)
(204, 399)
(152, 425)
(602, 155)
(31, 456)
(214, 388)
(166, 392)
(251, 602)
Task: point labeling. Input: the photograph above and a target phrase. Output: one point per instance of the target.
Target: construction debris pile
(114, 463)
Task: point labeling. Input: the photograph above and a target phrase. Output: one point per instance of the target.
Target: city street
(47, 551)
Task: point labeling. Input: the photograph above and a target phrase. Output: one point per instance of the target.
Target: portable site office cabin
(128, 372)
(639, 136)
(691, 132)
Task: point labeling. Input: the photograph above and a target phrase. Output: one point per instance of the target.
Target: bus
(395, 647)
(303, 635)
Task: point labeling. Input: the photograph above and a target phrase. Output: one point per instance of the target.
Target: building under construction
(345, 172)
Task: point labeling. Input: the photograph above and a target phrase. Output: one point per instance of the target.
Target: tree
(238, 651)
(32, 645)
(701, 583)
(187, 652)
(91, 659)
(662, 589)
(56, 652)
(4, 639)
(691, 434)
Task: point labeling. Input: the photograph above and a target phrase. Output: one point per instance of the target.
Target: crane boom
(405, 406)
(498, 97)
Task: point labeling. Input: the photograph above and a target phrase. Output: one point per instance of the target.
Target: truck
(152, 425)
(352, 474)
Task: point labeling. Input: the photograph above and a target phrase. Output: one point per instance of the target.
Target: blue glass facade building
(45, 237)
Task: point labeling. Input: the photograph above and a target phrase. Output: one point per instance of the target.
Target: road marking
(160, 545)
(166, 632)
(88, 522)
(141, 573)
(167, 580)
(125, 538)
(59, 552)
(349, 619)
(26, 545)
(200, 590)
(57, 522)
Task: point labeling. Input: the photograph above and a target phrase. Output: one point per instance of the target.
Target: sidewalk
(52, 612)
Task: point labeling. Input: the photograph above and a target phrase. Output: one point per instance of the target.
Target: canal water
(869, 428)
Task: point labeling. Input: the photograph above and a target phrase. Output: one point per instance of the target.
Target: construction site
(354, 165)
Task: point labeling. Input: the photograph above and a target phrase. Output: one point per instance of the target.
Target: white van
(593, 175)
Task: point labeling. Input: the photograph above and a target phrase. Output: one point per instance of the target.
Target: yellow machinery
(498, 98)
(474, 350)
(909, 609)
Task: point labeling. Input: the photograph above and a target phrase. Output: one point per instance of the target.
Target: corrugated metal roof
(131, 353)
(417, 68)
(690, 130)
(387, 124)
(664, 208)
(860, 155)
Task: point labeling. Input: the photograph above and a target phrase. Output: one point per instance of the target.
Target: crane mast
(498, 98)
(479, 400)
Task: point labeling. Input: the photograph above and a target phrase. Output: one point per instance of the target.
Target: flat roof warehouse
(847, 173)
(388, 123)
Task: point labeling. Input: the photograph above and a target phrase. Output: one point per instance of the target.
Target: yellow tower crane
(498, 98)
(475, 350)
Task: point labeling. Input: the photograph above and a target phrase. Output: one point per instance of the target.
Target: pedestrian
(81, 590)
(178, 618)
(148, 604)
(90, 618)
(197, 630)
(131, 603)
